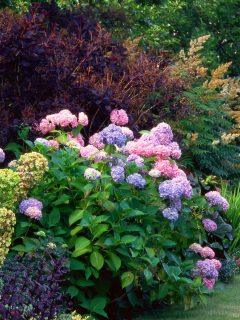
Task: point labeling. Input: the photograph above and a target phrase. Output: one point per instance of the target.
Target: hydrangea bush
(125, 210)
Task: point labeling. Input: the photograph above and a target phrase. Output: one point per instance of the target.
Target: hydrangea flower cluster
(31, 168)
(137, 180)
(209, 225)
(113, 135)
(119, 117)
(92, 174)
(2, 155)
(9, 188)
(83, 119)
(96, 141)
(214, 198)
(78, 139)
(170, 214)
(207, 269)
(117, 173)
(139, 161)
(7, 223)
(32, 208)
(154, 173)
(63, 119)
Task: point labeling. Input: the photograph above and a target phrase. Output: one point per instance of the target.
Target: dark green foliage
(228, 270)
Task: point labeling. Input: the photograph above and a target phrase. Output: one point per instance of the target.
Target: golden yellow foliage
(217, 77)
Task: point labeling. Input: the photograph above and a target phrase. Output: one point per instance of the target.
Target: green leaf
(82, 243)
(162, 291)
(74, 231)
(75, 216)
(115, 261)
(109, 205)
(76, 265)
(126, 279)
(63, 199)
(96, 305)
(100, 229)
(97, 260)
(128, 239)
(72, 291)
(79, 252)
(54, 217)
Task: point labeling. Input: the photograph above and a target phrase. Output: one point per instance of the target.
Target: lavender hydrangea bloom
(207, 269)
(176, 203)
(139, 161)
(215, 199)
(92, 174)
(170, 214)
(113, 134)
(2, 155)
(209, 225)
(117, 173)
(42, 142)
(171, 190)
(137, 180)
(30, 202)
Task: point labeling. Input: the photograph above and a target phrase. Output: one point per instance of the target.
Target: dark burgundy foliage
(52, 60)
(31, 285)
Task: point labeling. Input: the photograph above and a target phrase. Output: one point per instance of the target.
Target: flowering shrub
(126, 212)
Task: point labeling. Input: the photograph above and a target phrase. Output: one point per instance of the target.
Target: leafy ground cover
(223, 305)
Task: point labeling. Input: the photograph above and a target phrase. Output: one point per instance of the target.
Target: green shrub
(127, 244)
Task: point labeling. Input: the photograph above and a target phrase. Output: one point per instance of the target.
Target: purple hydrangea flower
(113, 134)
(139, 161)
(214, 198)
(170, 214)
(2, 155)
(30, 202)
(175, 188)
(170, 190)
(42, 142)
(207, 269)
(209, 225)
(137, 180)
(176, 203)
(117, 173)
(163, 133)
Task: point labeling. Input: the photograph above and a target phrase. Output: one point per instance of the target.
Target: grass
(223, 305)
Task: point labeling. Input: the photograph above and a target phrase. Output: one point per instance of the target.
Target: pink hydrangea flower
(46, 126)
(78, 139)
(167, 168)
(96, 141)
(163, 152)
(54, 144)
(83, 119)
(209, 283)
(66, 118)
(217, 264)
(33, 213)
(175, 150)
(119, 117)
(89, 151)
(207, 252)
